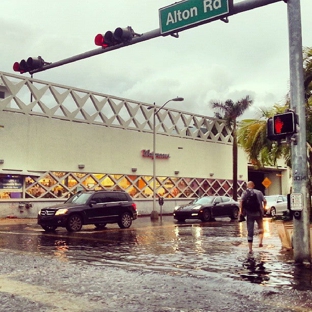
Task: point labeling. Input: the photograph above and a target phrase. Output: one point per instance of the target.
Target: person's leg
(250, 232)
(250, 247)
(261, 230)
(260, 240)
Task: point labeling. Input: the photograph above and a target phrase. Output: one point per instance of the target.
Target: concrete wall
(17, 209)
(280, 182)
(42, 144)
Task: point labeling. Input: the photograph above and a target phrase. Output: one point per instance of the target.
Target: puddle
(192, 248)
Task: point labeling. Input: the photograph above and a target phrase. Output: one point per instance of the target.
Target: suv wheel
(125, 220)
(49, 228)
(100, 226)
(74, 223)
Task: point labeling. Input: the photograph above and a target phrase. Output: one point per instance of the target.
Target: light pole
(154, 214)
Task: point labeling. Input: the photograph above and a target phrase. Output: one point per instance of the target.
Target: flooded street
(190, 248)
(213, 251)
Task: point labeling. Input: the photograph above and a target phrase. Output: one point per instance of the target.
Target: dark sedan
(207, 208)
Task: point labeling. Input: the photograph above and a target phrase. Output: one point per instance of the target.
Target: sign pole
(301, 236)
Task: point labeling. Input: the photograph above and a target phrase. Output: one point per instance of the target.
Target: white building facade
(56, 140)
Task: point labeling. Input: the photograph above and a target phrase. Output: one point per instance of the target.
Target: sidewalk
(8, 220)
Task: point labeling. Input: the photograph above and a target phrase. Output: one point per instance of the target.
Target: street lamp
(154, 214)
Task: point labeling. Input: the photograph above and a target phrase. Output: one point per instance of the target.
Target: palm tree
(252, 137)
(307, 64)
(230, 111)
(252, 133)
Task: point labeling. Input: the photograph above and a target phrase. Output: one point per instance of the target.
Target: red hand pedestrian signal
(284, 124)
(281, 125)
(278, 125)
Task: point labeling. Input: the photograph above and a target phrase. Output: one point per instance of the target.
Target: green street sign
(190, 13)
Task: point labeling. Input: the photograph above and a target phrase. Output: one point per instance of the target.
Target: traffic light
(120, 35)
(281, 125)
(32, 63)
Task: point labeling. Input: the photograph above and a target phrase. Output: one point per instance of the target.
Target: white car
(276, 205)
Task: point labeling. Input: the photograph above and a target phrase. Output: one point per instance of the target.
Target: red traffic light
(106, 40)
(32, 63)
(99, 41)
(16, 67)
(120, 35)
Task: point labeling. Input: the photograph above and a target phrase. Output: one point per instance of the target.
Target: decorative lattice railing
(40, 98)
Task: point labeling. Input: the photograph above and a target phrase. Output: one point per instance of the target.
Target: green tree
(230, 111)
(252, 133)
(251, 136)
(307, 74)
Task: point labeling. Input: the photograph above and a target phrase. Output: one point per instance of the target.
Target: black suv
(90, 207)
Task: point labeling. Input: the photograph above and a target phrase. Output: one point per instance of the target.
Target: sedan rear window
(203, 200)
(271, 198)
(225, 199)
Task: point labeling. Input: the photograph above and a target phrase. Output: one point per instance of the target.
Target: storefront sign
(7, 183)
(149, 154)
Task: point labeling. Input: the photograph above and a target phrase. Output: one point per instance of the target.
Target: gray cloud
(216, 61)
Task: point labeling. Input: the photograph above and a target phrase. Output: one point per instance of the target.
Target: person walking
(251, 206)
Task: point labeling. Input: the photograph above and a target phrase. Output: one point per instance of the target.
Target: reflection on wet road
(190, 248)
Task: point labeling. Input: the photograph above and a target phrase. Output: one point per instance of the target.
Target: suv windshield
(80, 198)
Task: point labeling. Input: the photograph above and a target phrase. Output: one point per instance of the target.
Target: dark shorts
(251, 220)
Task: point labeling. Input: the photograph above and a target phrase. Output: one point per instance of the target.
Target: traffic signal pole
(237, 8)
(146, 36)
(301, 234)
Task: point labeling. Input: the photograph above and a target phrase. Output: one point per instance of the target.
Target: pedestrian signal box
(284, 124)
(281, 125)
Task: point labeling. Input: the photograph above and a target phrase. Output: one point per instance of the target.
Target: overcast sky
(216, 61)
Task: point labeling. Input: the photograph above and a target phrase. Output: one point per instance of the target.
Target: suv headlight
(61, 212)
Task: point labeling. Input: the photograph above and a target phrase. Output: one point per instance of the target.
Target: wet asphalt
(152, 266)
